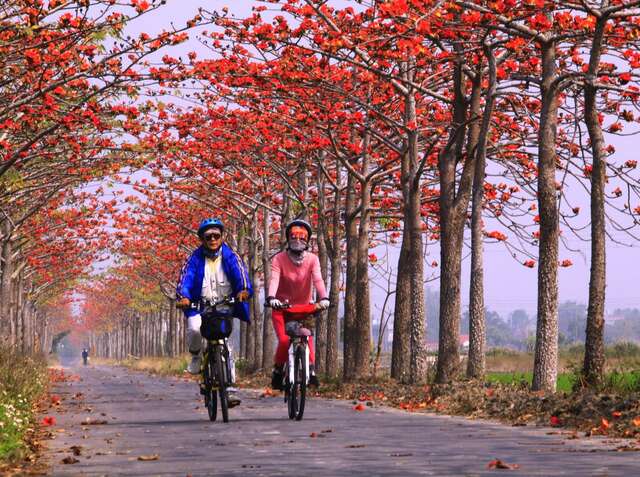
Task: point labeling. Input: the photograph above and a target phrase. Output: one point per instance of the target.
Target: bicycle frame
(217, 371)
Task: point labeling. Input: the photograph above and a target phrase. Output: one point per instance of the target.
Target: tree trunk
(351, 232)
(5, 285)
(593, 368)
(453, 209)
(545, 368)
(477, 328)
(268, 335)
(173, 328)
(413, 215)
(362, 322)
(401, 346)
(323, 256)
(333, 246)
(256, 315)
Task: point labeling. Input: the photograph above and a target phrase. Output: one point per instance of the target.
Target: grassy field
(163, 366)
(23, 381)
(622, 367)
(565, 380)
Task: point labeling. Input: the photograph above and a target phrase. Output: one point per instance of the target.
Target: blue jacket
(192, 275)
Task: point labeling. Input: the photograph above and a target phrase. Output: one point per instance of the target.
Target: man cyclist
(293, 272)
(85, 356)
(213, 271)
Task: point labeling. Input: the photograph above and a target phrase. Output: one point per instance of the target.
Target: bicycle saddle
(295, 328)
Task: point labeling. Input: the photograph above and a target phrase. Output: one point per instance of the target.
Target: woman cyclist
(293, 272)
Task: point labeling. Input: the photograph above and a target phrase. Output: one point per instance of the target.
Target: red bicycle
(298, 324)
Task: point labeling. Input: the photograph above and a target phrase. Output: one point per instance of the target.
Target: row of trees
(69, 76)
(383, 122)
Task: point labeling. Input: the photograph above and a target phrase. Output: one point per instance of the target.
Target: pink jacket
(292, 283)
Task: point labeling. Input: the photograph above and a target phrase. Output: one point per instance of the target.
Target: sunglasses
(213, 236)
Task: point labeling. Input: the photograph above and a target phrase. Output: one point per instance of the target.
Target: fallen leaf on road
(268, 392)
(407, 454)
(327, 430)
(359, 407)
(555, 421)
(355, 446)
(313, 434)
(77, 450)
(69, 460)
(48, 421)
(94, 422)
(146, 458)
(498, 464)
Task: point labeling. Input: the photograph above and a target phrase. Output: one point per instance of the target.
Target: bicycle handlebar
(307, 308)
(228, 300)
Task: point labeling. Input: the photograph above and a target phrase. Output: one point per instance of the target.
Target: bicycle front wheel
(221, 378)
(210, 396)
(300, 383)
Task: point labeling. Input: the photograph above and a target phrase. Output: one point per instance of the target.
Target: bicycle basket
(216, 327)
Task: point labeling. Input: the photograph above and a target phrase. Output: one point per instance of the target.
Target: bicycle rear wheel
(299, 389)
(210, 396)
(221, 378)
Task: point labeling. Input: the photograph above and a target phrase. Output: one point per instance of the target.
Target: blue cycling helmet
(208, 224)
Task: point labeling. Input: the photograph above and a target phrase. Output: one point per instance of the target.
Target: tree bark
(333, 246)
(268, 335)
(323, 256)
(362, 323)
(413, 215)
(408, 355)
(594, 359)
(351, 232)
(5, 284)
(453, 208)
(545, 368)
(477, 328)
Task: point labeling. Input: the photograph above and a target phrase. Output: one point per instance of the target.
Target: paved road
(147, 415)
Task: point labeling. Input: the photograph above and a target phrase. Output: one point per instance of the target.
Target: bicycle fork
(292, 357)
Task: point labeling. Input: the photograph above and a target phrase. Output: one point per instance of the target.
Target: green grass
(622, 382)
(23, 380)
(564, 383)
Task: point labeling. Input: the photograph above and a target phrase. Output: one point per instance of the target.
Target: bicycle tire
(210, 396)
(300, 369)
(221, 376)
(291, 397)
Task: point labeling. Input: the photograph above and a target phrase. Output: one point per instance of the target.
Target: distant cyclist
(213, 271)
(85, 356)
(293, 272)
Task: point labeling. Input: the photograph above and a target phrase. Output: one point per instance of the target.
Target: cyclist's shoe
(232, 398)
(277, 376)
(194, 366)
